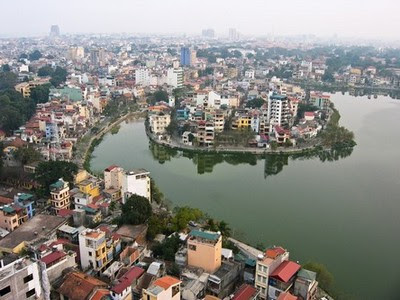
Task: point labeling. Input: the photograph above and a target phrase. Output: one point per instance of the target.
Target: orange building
(205, 250)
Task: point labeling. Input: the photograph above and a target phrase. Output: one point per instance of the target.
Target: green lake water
(344, 213)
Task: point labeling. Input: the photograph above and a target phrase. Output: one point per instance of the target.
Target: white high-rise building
(278, 110)
(175, 77)
(136, 182)
(142, 76)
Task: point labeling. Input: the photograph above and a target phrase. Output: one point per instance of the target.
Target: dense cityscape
(68, 231)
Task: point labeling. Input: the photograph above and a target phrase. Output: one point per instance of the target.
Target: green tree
(27, 155)
(40, 93)
(45, 71)
(136, 210)
(59, 76)
(160, 95)
(5, 68)
(183, 215)
(324, 277)
(48, 172)
(167, 249)
(274, 145)
(14, 109)
(255, 103)
(35, 55)
(224, 228)
(156, 195)
(172, 128)
(7, 80)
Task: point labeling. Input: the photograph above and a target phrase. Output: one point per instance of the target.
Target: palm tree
(224, 229)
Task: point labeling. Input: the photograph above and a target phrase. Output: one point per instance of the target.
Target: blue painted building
(27, 202)
(185, 56)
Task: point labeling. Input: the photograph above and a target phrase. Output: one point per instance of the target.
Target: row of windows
(7, 289)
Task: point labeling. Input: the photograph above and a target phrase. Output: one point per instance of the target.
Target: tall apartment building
(205, 250)
(159, 122)
(76, 53)
(54, 31)
(113, 176)
(208, 33)
(193, 57)
(175, 77)
(206, 133)
(266, 265)
(278, 110)
(142, 76)
(136, 182)
(185, 56)
(59, 192)
(233, 35)
(92, 249)
(19, 279)
(320, 100)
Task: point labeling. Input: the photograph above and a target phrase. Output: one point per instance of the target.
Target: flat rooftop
(40, 226)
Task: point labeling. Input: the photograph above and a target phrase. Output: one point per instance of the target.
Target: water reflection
(273, 163)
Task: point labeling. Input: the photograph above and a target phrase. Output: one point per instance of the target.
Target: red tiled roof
(52, 257)
(126, 280)
(285, 271)
(309, 114)
(110, 168)
(78, 286)
(65, 212)
(17, 143)
(5, 200)
(245, 292)
(166, 282)
(101, 294)
(287, 296)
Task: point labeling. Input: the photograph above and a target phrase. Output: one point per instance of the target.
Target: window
(5, 291)
(90, 253)
(192, 247)
(28, 278)
(30, 293)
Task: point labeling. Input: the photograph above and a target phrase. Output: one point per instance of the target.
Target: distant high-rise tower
(208, 33)
(54, 31)
(185, 56)
(233, 35)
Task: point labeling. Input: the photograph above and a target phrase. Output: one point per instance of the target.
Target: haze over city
(359, 18)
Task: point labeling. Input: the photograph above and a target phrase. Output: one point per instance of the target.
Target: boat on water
(375, 96)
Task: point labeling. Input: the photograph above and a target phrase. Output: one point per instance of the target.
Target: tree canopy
(255, 103)
(59, 76)
(48, 172)
(45, 71)
(40, 93)
(7, 80)
(35, 55)
(183, 215)
(15, 110)
(136, 210)
(324, 277)
(27, 155)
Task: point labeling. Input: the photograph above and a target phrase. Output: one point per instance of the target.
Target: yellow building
(241, 122)
(89, 186)
(8, 218)
(92, 249)
(25, 87)
(204, 250)
(59, 192)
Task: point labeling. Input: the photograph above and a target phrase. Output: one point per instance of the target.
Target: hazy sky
(362, 18)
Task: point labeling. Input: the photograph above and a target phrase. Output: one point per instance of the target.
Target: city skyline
(364, 19)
